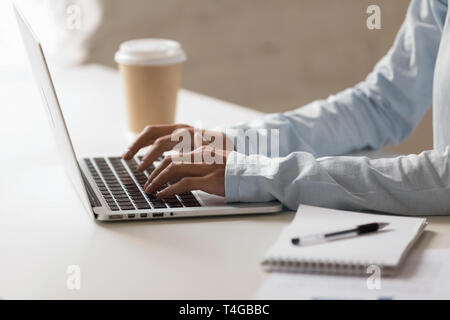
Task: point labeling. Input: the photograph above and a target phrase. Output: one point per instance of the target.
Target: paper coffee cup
(151, 70)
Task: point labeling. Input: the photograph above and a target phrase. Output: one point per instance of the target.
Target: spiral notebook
(386, 248)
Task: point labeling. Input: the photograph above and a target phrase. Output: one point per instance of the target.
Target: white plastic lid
(150, 52)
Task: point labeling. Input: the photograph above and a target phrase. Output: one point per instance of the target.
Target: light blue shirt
(384, 109)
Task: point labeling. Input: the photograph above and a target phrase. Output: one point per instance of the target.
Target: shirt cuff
(233, 172)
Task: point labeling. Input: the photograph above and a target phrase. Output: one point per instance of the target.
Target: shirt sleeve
(384, 109)
(409, 185)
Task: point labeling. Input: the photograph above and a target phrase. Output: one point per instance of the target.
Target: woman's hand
(189, 174)
(199, 164)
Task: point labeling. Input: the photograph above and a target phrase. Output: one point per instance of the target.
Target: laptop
(110, 188)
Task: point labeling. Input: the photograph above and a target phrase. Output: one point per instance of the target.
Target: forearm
(410, 185)
(352, 120)
(383, 109)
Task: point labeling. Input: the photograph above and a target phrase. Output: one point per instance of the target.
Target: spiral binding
(320, 266)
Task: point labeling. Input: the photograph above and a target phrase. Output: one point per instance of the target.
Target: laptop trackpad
(209, 199)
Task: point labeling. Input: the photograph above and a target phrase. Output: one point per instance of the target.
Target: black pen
(361, 229)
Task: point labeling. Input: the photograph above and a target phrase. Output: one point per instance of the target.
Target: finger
(167, 160)
(148, 136)
(176, 171)
(175, 158)
(143, 140)
(160, 146)
(184, 185)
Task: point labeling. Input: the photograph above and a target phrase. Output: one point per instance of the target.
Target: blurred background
(269, 55)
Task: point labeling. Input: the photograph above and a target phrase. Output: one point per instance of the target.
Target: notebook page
(385, 247)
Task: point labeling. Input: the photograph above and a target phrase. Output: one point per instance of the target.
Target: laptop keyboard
(121, 186)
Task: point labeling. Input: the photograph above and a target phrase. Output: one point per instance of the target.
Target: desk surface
(44, 228)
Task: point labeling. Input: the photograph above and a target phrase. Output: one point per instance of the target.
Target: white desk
(44, 228)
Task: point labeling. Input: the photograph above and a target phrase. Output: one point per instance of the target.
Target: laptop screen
(51, 104)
